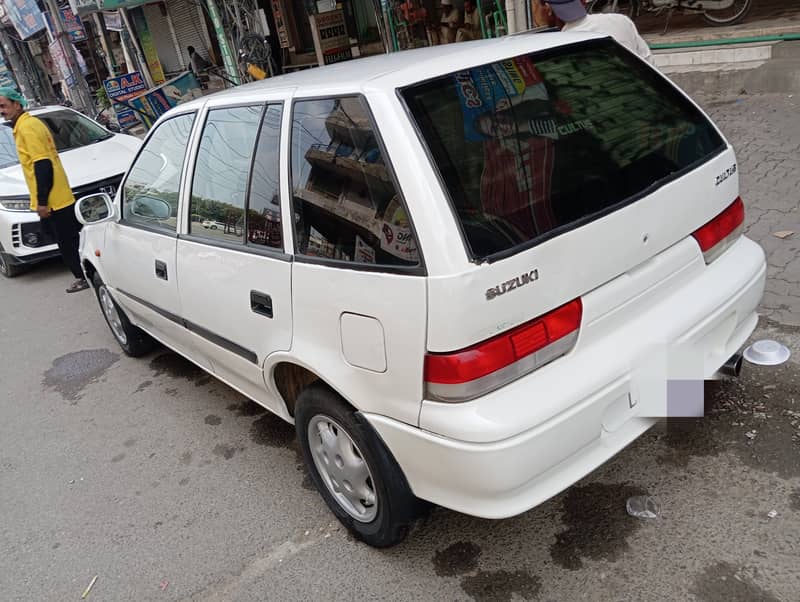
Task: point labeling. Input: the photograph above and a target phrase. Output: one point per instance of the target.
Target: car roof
(397, 69)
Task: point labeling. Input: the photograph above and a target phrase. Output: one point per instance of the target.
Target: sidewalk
(766, 18)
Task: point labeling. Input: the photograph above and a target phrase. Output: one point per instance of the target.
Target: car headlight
(15, 204)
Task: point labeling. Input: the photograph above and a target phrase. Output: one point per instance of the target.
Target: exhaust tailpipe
(733, 367)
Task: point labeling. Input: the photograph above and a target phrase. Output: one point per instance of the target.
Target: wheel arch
(289, 377)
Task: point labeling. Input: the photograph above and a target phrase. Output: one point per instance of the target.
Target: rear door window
(533, 145)
(347, 207)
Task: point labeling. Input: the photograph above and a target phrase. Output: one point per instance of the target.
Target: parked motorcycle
(715, 12)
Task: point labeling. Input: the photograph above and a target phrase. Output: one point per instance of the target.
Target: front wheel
(728, 16)
(8, 269)
(134, 341)
(352, 469)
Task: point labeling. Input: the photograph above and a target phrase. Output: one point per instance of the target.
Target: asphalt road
(168, 485)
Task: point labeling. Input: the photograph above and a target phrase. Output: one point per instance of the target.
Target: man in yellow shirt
(51, 195)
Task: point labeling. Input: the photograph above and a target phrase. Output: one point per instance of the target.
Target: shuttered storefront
(164, 41)
(190, 28)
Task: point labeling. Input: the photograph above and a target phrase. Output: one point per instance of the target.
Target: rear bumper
(513, 449)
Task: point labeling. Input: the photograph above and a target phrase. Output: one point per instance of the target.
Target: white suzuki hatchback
(94, 160)
(460, 271)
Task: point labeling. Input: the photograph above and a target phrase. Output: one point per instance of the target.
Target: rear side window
(530, 146)
(346, 205)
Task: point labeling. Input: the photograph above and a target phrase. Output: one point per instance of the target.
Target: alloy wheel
(112, 315)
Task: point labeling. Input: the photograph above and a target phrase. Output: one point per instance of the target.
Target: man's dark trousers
(65, 227)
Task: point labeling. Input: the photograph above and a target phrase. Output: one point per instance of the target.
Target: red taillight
(471, 372)
(722, 229)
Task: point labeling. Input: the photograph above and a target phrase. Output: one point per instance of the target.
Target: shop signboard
(280, 25)
(59, 57)
(124, 88)
(114, 4)
(83, 7)
(330, 37)
(148, 46)
(26, 17)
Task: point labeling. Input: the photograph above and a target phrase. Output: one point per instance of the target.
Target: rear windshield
(540, 143)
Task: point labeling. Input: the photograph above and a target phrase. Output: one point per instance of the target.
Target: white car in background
(94, 159)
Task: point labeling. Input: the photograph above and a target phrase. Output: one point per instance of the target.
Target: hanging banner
(59, 56)
(6, 75)
(148, 46)
(71, 22)
(25, 16)
(113, 20)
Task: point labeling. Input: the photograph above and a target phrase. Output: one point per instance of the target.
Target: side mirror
(150, 207)
(94, 209)
(113, 127)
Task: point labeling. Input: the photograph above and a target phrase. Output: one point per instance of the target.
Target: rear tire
(353, 470)
(8, 269)
(134, 341)
(729, 16)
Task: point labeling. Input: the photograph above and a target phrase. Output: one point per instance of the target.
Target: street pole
(81, 96)
(104, 43)
(224, 48)
(20, 73)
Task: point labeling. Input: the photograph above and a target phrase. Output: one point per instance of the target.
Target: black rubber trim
(252, 249)
(30, 259)
(197, 329)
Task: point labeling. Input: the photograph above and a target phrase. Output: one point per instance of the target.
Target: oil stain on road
(598, 525)
(500, 586)
(722, 582)
(457, 559)
(71, 373)
(272, 431)
(177, 366)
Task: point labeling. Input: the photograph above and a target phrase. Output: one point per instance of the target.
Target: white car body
(89, 169)
(640, 275)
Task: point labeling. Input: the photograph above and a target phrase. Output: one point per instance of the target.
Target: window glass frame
(413, 270)
(656, 78)
(265, 251)
(228, 243)
(156, 229)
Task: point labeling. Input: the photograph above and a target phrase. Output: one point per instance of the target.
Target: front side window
(345, 201)
(529, 146)
(151, 189)
(221, 173)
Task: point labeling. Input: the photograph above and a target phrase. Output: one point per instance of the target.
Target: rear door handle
(161, 270)
(261, 304)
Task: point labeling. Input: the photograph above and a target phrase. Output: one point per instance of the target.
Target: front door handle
(261, 304)
(161, 270)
